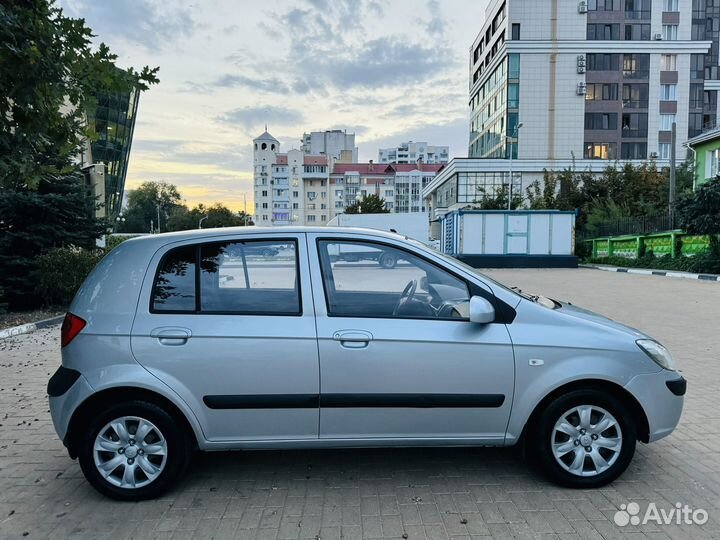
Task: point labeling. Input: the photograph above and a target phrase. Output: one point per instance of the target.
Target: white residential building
(336, 144)
(411, 152)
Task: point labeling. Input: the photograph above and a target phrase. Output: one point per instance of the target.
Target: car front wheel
(583, 439)
(134, 451)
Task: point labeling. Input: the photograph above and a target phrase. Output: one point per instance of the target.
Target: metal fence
(631, 225)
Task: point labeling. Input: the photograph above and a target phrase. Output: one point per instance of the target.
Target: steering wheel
(406, 295)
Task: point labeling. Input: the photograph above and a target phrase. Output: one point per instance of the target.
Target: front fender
(559, 368)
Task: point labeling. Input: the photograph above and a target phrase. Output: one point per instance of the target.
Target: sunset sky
(388, 70)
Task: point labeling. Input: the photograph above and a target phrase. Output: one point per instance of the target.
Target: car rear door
(229, 324)
(408, 373)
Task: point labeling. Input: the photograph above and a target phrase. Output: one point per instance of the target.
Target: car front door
(398, 356)
(229, 324)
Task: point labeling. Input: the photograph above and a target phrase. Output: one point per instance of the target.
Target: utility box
(510, 239)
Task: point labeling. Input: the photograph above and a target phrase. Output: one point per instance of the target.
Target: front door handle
(171, 335)
(353, 339)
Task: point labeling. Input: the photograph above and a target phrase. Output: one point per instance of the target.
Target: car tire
(571, 444)
(109, 448)
(388, 260)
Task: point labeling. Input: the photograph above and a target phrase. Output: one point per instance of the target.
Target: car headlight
(658, 353)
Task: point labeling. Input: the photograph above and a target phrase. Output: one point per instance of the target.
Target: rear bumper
(661, 397)
(66, 391)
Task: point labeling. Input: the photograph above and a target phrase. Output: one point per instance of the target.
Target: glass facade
(113, 122)
(473, 187)
(494, 111)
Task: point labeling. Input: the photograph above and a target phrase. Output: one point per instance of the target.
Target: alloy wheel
(130, 452)
(586, 440)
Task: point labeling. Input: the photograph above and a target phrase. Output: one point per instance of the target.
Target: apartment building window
(311, 218)
(603, 31)
(695, 124)
(601, 92)
(515, 31)
(637, 32)
(296, 206)
(664, 150)
(633, 150)
(264, 193)
(603, 62)
(264, 205)
(264, 218)
(600, 120)
(668, 92)
(697, 66)
(668, 62)
(601, 5)
(323, 206)
(296, 194)
(635, 96)
(670, 5)
(513, 96)
(634, 125)
(636, 66)
(637, 9)
(339, 193)
(513, 66)
(666, 122)
(311, 195)
(600, 150)
(670, 32)
(323, 218)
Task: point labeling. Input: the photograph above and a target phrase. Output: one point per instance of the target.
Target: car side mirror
(481, 311)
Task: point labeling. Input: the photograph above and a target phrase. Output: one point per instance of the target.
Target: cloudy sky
(388, 70)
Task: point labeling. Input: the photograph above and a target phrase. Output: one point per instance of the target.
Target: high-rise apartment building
(336, 144)
(583, 83)
(594, 79)
(410, 152)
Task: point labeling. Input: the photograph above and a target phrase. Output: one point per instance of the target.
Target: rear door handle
(353, 339)
(171, 335)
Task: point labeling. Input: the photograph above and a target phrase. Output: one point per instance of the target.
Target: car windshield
(538, 299)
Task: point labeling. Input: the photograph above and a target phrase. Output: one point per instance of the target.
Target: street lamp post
(514, 136)
(201, 221)
(358, 200)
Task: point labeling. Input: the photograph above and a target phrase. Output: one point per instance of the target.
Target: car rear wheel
(134, 451)
(583, 439)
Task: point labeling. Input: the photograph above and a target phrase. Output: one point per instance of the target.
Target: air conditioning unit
(581, 89)
(654, 155)
(582, 6)
(581, 63)
(658, 37)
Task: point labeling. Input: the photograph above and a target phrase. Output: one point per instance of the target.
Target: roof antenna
(266, 126)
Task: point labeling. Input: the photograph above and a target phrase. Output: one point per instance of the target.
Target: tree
(216, 215)
(32, 222)
(151, 204)
(699, 213)
(498, 201)
(49, 75)
(371, 204)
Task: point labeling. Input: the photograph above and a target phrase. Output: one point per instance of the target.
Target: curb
(30, 327)
(647, 272)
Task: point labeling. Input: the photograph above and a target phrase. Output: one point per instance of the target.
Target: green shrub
(704, 263)
(61, 271)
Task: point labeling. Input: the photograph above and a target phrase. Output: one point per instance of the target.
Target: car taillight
(71, 326)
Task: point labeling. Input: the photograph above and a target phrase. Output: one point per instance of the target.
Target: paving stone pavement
(402, 493)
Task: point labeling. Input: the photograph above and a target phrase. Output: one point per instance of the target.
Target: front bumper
(66, 391)
(661, 397)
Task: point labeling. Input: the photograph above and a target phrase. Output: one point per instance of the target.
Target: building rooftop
(704, 137)
(385, 168)
(315, 160)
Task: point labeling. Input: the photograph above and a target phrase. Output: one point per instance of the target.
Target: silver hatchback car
(249, 338)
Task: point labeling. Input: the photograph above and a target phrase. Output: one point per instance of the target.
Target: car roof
(199, 234)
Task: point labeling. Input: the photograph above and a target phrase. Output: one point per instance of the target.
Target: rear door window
(253, 278)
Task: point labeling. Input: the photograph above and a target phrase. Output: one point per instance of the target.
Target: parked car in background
(182, 341)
